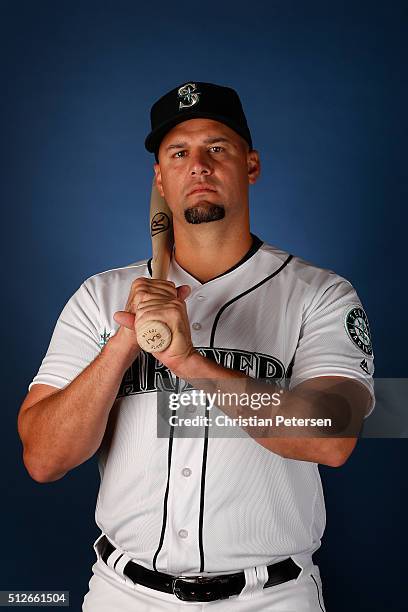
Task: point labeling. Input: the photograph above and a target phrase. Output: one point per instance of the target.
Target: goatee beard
(204, 214)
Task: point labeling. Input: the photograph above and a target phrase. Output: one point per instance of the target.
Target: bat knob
(153, 336)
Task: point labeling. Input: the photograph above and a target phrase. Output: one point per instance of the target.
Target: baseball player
(217, 522)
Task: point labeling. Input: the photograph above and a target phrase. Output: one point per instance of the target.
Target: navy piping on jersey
(318, 592)
(166, 495)
(256, 245)
(290, 366)
(237, 297)
(202, 497)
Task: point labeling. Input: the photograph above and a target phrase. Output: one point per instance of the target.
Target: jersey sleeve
(74, 343)
(335, 339)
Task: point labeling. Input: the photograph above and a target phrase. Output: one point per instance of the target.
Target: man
(238, 517)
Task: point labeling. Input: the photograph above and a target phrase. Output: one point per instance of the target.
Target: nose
(200, 163)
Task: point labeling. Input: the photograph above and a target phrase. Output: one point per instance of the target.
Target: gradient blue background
(324, 88)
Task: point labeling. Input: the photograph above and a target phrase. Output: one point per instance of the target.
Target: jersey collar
(180, 276)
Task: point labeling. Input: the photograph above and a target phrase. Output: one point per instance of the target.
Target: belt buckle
(209, 595)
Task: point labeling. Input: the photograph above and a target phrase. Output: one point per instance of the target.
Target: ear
(254, 166)
(157, 173)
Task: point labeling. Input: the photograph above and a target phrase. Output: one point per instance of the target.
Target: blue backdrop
(324, 89)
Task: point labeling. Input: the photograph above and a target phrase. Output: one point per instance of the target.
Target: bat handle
(153, 336)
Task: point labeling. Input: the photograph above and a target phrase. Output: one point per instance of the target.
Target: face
(204, 171)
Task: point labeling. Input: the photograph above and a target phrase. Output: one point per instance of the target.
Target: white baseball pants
(110, 590)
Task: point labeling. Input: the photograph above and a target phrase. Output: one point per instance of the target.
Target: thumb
(126, 319)
(183, 291)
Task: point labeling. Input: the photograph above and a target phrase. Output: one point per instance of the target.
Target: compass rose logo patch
(104, 338)
(358, 330)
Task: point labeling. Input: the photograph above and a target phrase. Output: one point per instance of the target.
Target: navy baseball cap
(193, 101)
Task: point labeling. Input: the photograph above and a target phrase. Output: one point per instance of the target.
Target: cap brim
(153, 140)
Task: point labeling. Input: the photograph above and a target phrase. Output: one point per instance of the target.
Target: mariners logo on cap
(357, 327)
(188, 95)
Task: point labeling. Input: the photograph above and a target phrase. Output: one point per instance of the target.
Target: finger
(126, 319)
(183, 292)
(145, 293)
(143, 296)
(143, 282)
(146, 304)
(158, 308)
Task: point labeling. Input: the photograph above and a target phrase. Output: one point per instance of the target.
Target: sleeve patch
(358, 329)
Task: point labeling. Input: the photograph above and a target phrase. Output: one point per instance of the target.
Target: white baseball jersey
(204, 505)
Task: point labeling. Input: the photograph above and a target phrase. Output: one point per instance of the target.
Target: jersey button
(196, 326)
(186, 472)
(200, 297)
(183, 533)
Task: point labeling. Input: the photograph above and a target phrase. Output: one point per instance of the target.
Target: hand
(151, 299)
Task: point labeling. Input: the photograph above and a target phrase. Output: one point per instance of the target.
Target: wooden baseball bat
(155, 336)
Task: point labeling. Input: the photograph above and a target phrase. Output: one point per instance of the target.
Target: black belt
(201, 588)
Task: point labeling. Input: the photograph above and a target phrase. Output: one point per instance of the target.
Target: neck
(206, 252)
